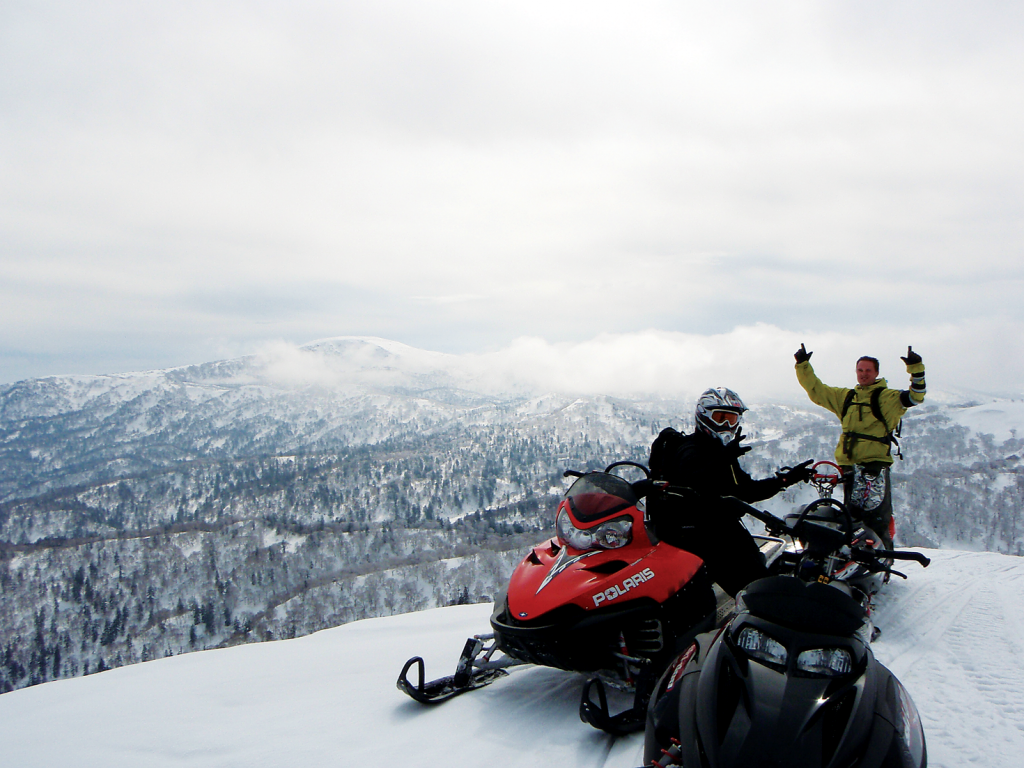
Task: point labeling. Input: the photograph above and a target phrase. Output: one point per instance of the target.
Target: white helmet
(718, 413)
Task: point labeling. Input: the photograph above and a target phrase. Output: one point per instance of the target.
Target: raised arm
(915, 367)
(821, 394)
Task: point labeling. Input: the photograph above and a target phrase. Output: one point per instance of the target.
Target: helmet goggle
(725, 417)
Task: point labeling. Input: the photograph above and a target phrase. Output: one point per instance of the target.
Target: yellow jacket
(864, 436)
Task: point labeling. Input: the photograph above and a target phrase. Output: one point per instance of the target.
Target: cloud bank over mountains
(757, 361)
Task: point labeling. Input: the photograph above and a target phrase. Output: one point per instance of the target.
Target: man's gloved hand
(912, 357)
(801, 473)
(802, 355)
(734, 449)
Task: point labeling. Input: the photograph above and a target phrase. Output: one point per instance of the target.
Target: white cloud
(756, 361)
(459, 175)
(285, 365)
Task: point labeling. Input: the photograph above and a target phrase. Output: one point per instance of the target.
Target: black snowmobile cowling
(791, 681)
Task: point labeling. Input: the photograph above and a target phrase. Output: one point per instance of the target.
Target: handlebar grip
(572, 473)
(892, 554)
(766, 517)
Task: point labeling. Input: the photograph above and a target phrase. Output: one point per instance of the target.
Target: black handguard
(871, 559)
(901, 554)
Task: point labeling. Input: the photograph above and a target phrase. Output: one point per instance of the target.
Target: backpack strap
(876, 407)
(850, 438)
(894, 433)
(847, 403)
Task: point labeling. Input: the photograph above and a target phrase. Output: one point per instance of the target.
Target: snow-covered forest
(149, 515)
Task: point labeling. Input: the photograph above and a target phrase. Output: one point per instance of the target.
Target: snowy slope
(1001, 418)
(954, 633)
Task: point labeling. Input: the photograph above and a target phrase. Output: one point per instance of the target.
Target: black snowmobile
(790, 681)
(865, 576)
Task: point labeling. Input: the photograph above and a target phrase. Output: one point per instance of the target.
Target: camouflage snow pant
(867, 493)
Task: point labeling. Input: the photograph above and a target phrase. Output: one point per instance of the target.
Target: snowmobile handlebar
(771, 522)
(808, 529)
(895, 554)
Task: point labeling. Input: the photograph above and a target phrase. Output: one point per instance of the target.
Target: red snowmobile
(603, 596)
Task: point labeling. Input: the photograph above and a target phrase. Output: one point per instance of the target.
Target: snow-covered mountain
(151, 514)
(59, 432)
(951, 633)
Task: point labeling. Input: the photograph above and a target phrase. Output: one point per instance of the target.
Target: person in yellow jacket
(869, 413)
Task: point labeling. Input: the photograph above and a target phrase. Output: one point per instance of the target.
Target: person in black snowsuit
(705, 519)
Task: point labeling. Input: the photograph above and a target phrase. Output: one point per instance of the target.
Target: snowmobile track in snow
(961, 634)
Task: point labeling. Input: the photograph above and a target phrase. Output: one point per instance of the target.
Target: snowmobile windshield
(597, 495)
(812, 607)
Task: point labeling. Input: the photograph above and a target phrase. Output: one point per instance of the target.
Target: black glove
(734, 449)
(801, 473)
(802, 355)
(912, 357)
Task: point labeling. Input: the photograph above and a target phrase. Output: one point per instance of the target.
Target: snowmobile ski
(443, 688)
(597, 714)
(475, 670)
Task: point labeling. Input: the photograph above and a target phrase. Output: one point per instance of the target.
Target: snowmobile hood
(742, 713)
(748, 704)
(747, 710)
(557, 574)
(553, 575)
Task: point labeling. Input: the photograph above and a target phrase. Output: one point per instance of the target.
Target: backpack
(876, 411)
(663, 449)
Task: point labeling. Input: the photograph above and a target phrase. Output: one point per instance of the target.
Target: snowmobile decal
(680, 665)
(613, 593)
(563, 561)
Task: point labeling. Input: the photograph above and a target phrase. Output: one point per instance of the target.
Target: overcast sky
(183, 182)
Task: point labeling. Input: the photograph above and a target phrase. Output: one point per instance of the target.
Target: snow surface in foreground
(954, 633)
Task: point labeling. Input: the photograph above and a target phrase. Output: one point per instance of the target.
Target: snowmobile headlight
(831, 662)
(761, 647)
(614, 534)
(611, 535)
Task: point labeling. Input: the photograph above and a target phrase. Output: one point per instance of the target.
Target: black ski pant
(717, 537)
